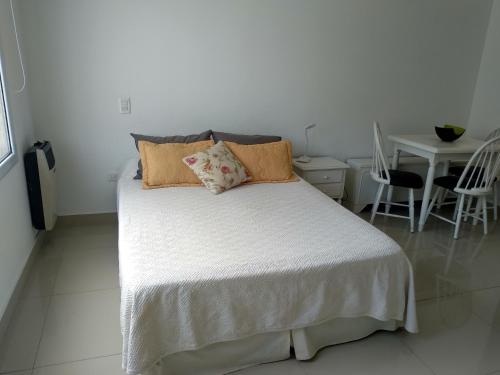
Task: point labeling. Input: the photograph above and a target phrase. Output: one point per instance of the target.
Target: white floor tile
(20, 344)
(453, 340)
(484, 267)
(486, 304)
(81, 326)
(289, 367)
(42, 278)
(86, 230)
(111, 365)
(83, 242)
(380, 354)
(89, 270)
(469, 262)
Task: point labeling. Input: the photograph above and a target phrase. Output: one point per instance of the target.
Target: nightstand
(325, 173)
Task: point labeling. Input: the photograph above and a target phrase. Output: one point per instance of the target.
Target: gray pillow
(205, 136)
(244, 139)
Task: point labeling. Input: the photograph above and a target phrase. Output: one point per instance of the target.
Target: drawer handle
(326, 177)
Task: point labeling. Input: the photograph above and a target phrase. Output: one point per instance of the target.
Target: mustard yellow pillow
(267, 162)
(162, 163)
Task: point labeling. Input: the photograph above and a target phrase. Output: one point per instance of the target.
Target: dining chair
(391, 177)
(457, 171)
(476, 181)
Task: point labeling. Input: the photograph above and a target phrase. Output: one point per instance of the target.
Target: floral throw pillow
(217, 168)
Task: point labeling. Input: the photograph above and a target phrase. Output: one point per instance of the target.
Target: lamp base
(304, 159)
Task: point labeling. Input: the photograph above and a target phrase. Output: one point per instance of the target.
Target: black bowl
(447, 134)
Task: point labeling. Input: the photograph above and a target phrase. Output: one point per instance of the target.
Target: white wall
(16, 233)
(485, 112)
(249, 66)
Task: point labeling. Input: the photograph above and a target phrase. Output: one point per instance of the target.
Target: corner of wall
(480, 121)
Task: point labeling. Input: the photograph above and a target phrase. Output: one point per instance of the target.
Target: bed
(215, 283)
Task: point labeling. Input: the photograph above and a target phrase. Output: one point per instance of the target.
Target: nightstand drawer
(335, 190)
(323, 176)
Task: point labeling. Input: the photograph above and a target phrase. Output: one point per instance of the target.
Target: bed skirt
(226, 357)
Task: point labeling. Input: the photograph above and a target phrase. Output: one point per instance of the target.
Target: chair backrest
(481, 170)
(495, 133)
(379, 171)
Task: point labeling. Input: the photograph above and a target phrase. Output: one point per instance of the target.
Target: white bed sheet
(197, 268)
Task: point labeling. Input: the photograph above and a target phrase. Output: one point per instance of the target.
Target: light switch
(124, 105)
(112, 177)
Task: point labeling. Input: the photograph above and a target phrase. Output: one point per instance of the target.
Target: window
(7, 151)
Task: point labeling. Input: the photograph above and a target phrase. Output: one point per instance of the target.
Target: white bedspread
(198, 268)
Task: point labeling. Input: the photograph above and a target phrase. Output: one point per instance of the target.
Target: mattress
(198, 269)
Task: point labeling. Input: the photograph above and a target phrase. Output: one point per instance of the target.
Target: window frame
(7, 163)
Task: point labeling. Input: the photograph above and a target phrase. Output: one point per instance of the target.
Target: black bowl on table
(449, 133)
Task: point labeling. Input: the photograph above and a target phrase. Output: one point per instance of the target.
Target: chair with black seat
(475, 181)
(385, 177)
(457, 170)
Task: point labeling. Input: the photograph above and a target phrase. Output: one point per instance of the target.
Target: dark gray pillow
(205, 136)
(244, 139)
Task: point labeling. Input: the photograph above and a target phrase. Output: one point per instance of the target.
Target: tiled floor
(67, 321)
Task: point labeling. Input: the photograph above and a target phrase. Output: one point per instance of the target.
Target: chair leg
(495, 201)
(377, 202)
(477, 212)
(467, 210)
(455, 211)
(412, 210)
(433, 201)
(485, 214)
(459, 216)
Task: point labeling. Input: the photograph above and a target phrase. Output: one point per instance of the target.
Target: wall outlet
(112, 177)
(124, 105)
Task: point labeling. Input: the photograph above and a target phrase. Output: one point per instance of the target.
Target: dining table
(437, 152)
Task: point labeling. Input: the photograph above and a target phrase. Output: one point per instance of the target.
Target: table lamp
(304, 158)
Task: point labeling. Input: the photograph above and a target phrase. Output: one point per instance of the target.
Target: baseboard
(14, 298)
(87, 219)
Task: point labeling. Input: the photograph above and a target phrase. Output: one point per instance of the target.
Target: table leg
(446, 167)
(427, 194)
(390, 188)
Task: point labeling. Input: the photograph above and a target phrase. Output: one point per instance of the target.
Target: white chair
(385, 177)
(475, 181)
(457, 171)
